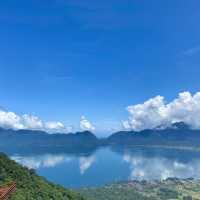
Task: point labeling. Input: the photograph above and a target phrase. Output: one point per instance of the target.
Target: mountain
(31, 186)
(180, 126)
(41, 141)
(179, 134)
(39, 137)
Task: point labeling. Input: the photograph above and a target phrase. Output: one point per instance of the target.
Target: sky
(83, 65)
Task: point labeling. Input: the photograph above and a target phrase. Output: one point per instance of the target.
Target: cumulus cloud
(86, 124)
(10, 120)
(32, 122)
(126, 125)
(54, 125)
(156, 111)
(15, 121)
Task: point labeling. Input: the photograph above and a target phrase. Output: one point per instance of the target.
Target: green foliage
(114, 193)
(171, 189)
(31, 186)
(167, 193)
(187, 198)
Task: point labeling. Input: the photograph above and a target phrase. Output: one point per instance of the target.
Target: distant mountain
(39, 136)
(177, 134)
(40, 140)
(180, 126)
(176, 125)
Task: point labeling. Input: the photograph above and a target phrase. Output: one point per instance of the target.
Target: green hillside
(31, 186)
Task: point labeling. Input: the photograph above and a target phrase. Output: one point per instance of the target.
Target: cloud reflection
(49, 160)
(85, 163)
(151, 168)
(41, 161)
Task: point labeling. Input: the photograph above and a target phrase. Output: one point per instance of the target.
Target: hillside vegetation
(31, 186)
(171, 189)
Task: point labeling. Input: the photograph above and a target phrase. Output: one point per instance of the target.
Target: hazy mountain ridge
(177, 134)
(40, 141)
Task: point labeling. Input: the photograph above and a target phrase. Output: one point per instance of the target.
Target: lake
(107, 165)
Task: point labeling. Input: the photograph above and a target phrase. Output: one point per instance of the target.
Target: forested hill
(31, 186)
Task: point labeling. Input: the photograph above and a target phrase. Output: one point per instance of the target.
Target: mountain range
(178, 134)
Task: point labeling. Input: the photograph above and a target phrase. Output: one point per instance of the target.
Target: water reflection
(108, 165)
(48, 160)
(41, 161)
(85, 163)
(144, 168)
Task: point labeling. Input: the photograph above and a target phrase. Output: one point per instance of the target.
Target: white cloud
(15, 121)
(155, 112)
(54, 126)
(10, 120)
(85, 163)
(57, 127)
(32, 122)
(86, 124)
(126, 125)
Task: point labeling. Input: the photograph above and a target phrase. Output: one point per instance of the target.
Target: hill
(31, 186)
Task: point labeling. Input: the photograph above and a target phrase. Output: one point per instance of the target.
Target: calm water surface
(107, 165)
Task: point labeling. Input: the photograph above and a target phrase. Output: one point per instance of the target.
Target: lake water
(107, 165)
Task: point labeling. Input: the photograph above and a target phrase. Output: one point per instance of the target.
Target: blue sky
(61, 59)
